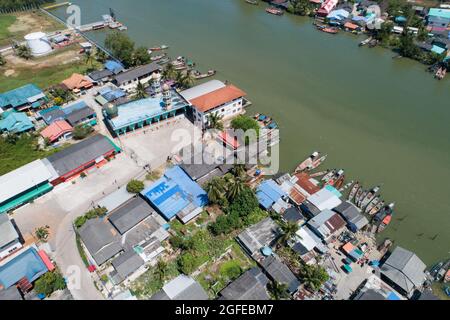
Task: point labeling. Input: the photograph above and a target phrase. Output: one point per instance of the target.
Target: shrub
(231, 270)
(80, 221)
(80, 132)
(135, 186)
(49, 283)
(186, 263)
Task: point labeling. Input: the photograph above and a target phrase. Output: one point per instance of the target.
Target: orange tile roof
(77, 81)
(305, 183)
(217, 97)
(56, 130)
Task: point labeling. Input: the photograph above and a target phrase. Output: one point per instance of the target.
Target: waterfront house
(15, 122)
(181, 288)
(57, 130)
(260, 235)
(304, 187)
(25, 184)
(24, 98)
(355, 220)
(9, 237)
(404, 271)
(114, 66)
(338, 15)
(77, 83)
(327, 198)
(129, 79)
(214, 96)
(326, 224)
(268, 193)
(176, 195)
(251, 285)
(438, 18)
(99, 77)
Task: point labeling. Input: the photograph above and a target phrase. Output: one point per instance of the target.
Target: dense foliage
(91, 214)
(135, 186)
(123, 48)
(21, 5)
(49, 283)
(81, 131)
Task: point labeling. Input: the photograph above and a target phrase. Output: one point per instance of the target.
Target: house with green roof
(24, 98)
(15, 122)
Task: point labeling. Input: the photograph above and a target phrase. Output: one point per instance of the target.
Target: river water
(385, 121)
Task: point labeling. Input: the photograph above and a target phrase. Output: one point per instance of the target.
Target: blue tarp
(174, 191)
(28, 264)
(114, 66)
(268, 193)
(339, 14)
(392, 296)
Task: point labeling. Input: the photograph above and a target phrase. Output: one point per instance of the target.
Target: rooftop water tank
(38, 43)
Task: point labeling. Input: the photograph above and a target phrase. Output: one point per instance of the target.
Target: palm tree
(216, 190)
(235, 186)
(289, 229)
(238, 170)
(188, 80)
(42, 233)
(313, 276)
(140, 92)
(169, 72)
(178, 77)
(215, 121)
(89, 58)
(101, 56)
(278, 291)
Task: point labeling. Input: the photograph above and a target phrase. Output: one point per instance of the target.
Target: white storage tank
(38, 43)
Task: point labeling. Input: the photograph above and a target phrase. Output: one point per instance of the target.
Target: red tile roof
(77, 81)
(54, 131)
(305, 183)
(217, 97)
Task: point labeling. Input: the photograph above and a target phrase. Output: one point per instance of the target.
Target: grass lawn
(438, 290)
(5, 22)
(43, 78)
(13, 156)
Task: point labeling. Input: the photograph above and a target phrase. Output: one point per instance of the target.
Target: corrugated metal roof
(23, 179)
(202, 89)
(7, 231)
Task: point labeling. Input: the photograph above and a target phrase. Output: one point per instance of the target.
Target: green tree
(89, 58)
(278, 291)
(140, 92)
(101, 56)
(288, 230)
(169, 72)
(135, 186)
(160, 270)
(244, 203)
(81, 131)
(121, 47)
(245, 123)
(42, 233)
(215, 121)
(216, 190)
(235, 187)
(186, 263)
(49, 283)
(407, 48)
(313, 276)
(23, 52)
(141, 56)
(80, 221)
(238, 170)
(187, 80)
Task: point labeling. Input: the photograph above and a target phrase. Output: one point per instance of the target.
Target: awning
(46, 260)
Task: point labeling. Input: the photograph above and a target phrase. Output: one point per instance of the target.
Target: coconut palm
(140, 92)
(178, 77)
(216, 190)
(215, 121)
(161, 266)
(101, 56)
(313, 276)
(238, 170)
(288, 229)
(42, 233)
(235, 186)
(278, 291)
(188, 80)
(169, 72)
(89, 58)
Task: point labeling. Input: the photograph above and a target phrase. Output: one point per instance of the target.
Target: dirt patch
(32, 22)
(9, 72)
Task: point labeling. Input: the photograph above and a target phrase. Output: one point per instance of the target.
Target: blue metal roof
(74, 107)
(28, 264)
(437, 49)
(174, 191)
(268, 193)
(114, 66)
(15, 122)
(19, 96)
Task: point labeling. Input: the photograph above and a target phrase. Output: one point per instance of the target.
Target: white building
(214, 97)
(9, 238)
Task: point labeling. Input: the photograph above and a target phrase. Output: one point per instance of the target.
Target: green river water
(385, 121)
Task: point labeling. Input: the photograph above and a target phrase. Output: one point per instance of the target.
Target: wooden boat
(358, 195)
(364, 42)
(340, 182)
(317, 163)
(369, 197)
(386, 210)
(256, 116)
(158, 57)
(254, 2)
(387, 219)
(332, 30)
(319, 174)
(197, 75)
(163, 61)
(308, 161)
(346, 186)
(353, 191)
(376, 208)
(372, 204)
(181, 67)
(361, 198)
(274, 11)
(162, 47)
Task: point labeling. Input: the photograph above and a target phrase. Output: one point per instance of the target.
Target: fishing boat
(319, 174)
(331, 30)
(164, 61)
(256, 116)
(329, 175)
(358, 195)
(364, 42)
(162, 47)
(254, 2)
(384, 223)
(339, 182)
(369, 197)
(377, 208)
(361, 198)
(346, 186)
(158, 57)
(274, 11)
(272, 125)
(197, 75)
(308, 161)
(353, 191)
(386, 210)
(181, 67)
(372, 204)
